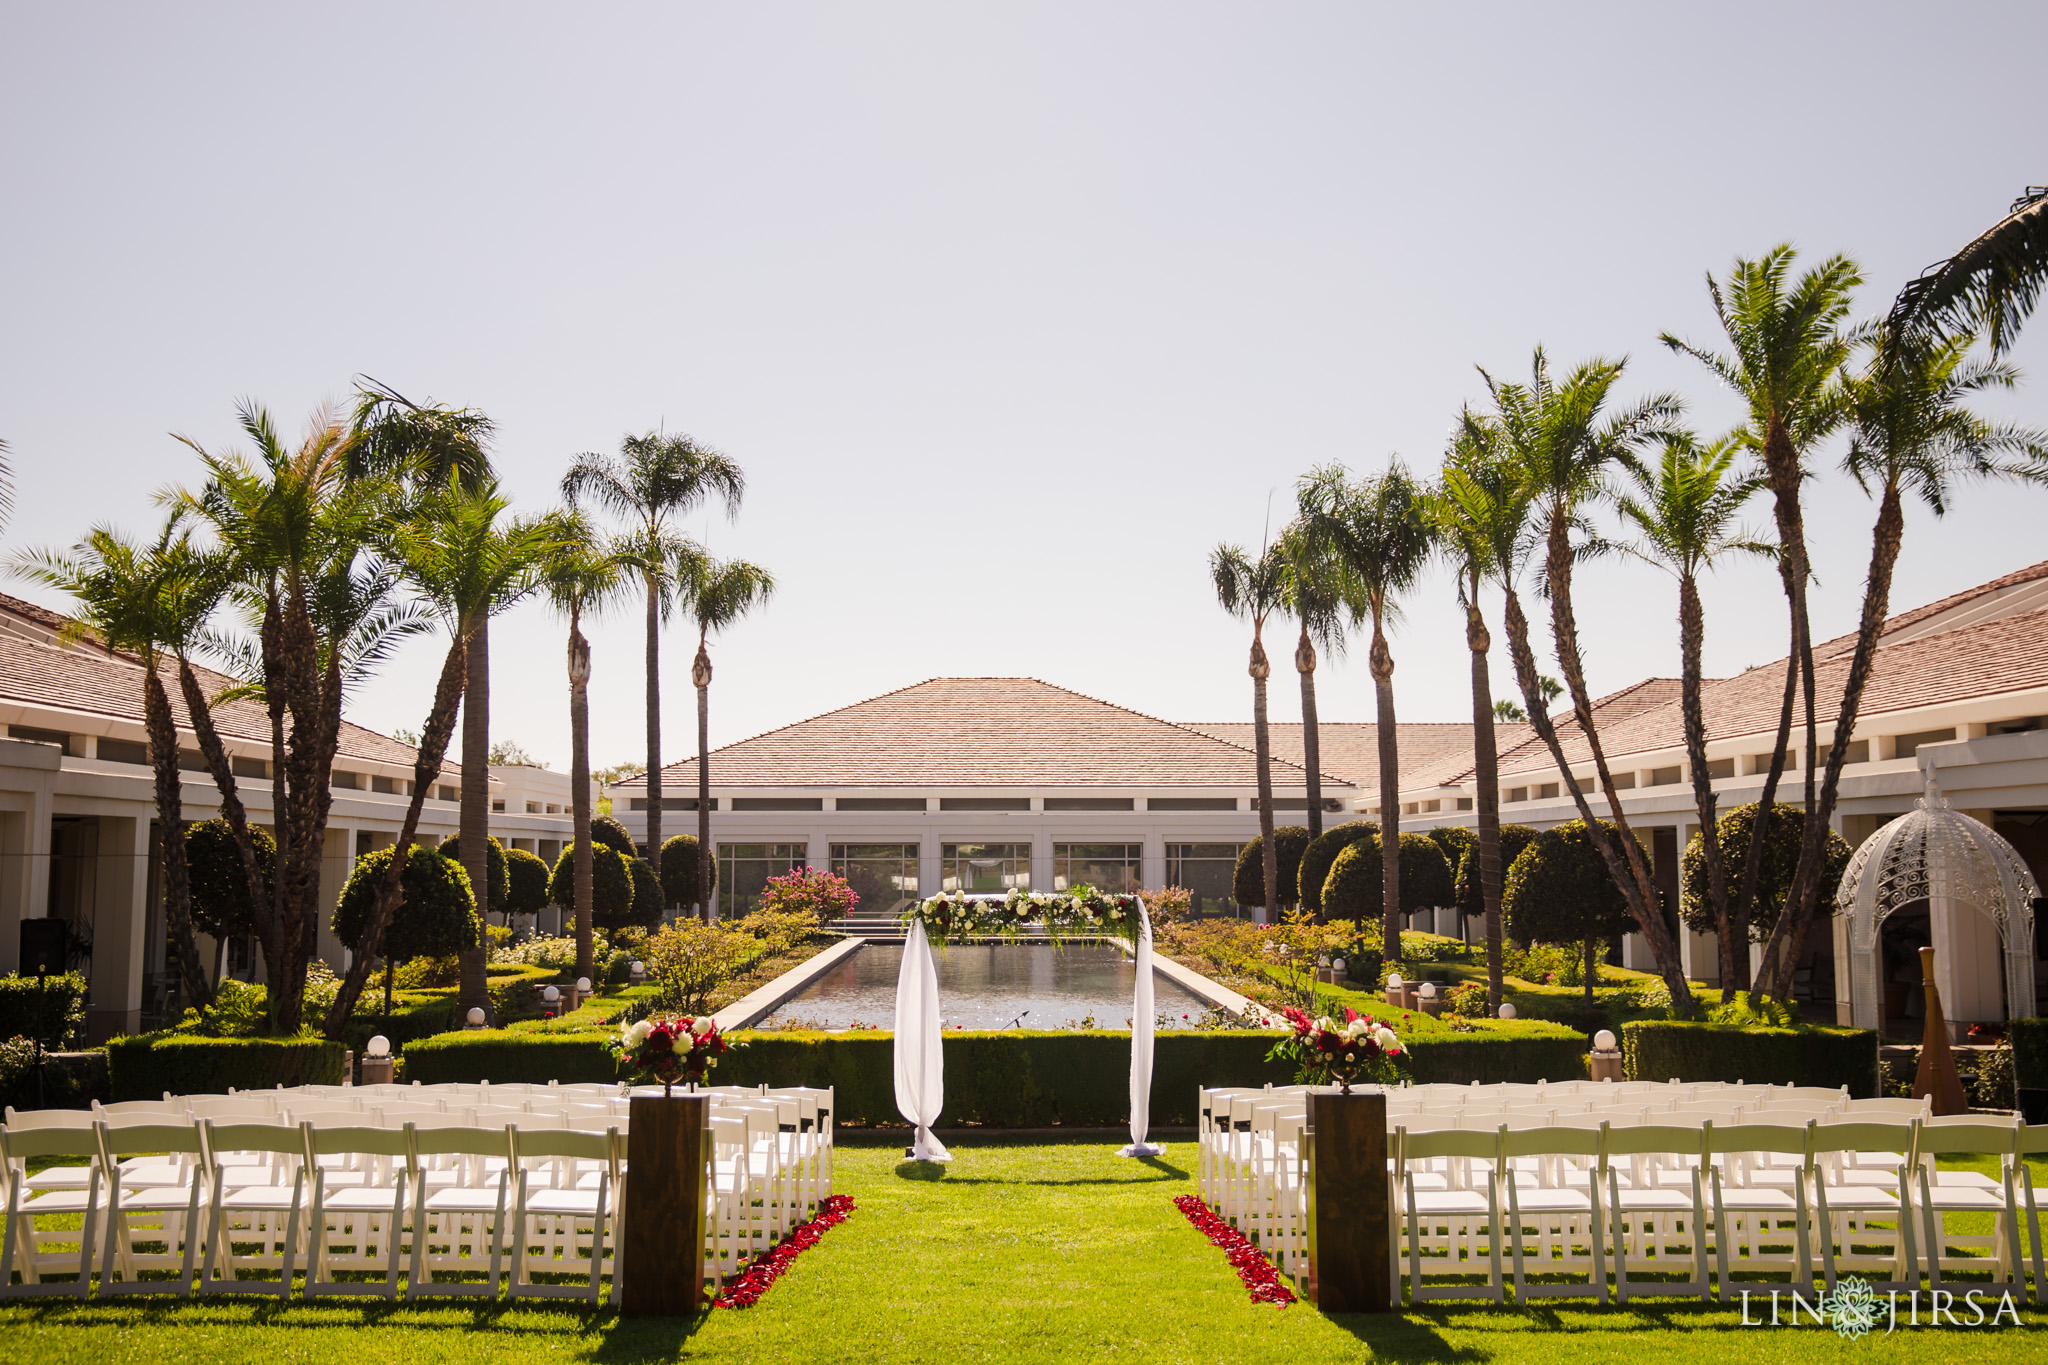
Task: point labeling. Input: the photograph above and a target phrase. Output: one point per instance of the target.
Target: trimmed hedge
(71, 1080)
(2030, 1053)
(1020, 1079)
(1661, 1049)
(28, 1006)
(146, 1066)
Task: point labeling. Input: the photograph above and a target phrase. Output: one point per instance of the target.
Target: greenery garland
(1082, 912)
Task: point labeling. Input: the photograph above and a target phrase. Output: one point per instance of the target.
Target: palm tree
(1910, 431)
(1989, 286)
(1481, 512)
(424, 447)
(1683, 509)
(6, 484)
(468, 565)
(720, 593)
(293, 527)
(1321, 593)
(657, 479)
(1252, 590)
(1379, 529)
(1560, 435)
(582, 577)
(136, 598)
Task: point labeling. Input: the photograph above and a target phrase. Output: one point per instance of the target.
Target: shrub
(689, 960)
(644, 911)
(1356, 887)
(220, 884)
(1322, 850)
(1559, 891)
(1661, 1049)
(437, 916)
(1249, 884)
(1466, 891)
(823, 896)
(679, 868)
(611, 883)
(527, 878)
(1168, 904)
(607, 831)
(52, 1008)
(496, 870)
(1453, 841)
(2030, 1053)
(1781, 859)
(146, 1066)
(1467, 1000)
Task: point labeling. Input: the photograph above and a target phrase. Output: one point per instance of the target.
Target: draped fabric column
(919, 1048)
(1142, 1007)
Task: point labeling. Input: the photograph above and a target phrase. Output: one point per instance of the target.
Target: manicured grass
(1016, 1254)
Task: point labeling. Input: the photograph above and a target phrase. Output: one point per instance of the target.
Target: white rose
(636, 1034)
(1385, 1038)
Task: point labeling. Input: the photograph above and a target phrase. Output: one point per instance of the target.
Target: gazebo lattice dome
(1935, 853)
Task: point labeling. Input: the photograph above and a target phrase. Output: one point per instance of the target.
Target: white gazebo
(1979, 897)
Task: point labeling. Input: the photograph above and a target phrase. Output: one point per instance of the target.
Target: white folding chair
(1650, 1220)
(356, 1228)
(1870, 1223)
(35, 1251)
(550, 1220)
(1939, 1192)
(1463, 1213)
(459, 1224)
(257, 1216)
(162, 1214)
(1565, 1212)
(1749, 1215)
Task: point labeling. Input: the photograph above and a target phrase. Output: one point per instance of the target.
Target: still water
(990, 986)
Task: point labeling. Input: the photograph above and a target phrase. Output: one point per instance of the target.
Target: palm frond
(1990, 286)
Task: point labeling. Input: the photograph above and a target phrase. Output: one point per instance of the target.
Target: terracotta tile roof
(1350, 749)
(981, 732)
(102, 685)
(2012, 586)
(2007, 654)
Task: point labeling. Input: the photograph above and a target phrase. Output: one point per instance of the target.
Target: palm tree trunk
(1311, 738)
(270, 924)
(1691, 640)
(1638, 887)
(216, 756)
(475, 821)
(1739, 916)
(312, 695)
(700, 676)
(653, 719)
(390, 891)
(1262, 749)
(579, 794)
(170, 819)
(1800, 902)
(1486, 766)
(1390, 792)
(1656, 930)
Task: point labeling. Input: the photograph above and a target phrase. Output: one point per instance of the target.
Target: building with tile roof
(78, 831)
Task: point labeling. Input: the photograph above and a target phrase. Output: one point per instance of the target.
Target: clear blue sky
(1010, 312)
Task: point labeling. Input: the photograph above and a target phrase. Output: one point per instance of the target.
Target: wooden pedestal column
(663, 1244)
(1348, 1245)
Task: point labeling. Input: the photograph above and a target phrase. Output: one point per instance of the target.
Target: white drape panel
(1142, 1006)
(920, 1054)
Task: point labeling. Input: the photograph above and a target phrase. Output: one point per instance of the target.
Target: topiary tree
(606, 830)
(611, 884)
(1320, 853)
(1466, 892)
(528, 877)
(220, 884)
(679, 869)
(645, 911)
(498, 871)
(1355, 888)
(1249, 885)
(1558, 891)
(1781, 857)
(1454, 840)
(436, 918)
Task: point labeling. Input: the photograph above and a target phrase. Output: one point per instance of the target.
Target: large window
(884, 876)
(984, 867)
(1208, 871)
(744, 869)
(1106, 867)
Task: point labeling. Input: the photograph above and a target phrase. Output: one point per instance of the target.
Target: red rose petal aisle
(767, 1268)
(1254, 1269)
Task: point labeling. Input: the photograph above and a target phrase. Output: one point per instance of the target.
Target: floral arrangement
(670, 1049)
(1084, 911)
(1324, 1050)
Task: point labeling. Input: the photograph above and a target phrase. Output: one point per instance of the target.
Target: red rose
(661, 1041)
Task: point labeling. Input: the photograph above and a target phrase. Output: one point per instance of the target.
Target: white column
(120, 926)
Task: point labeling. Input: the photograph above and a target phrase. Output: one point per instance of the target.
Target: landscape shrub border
(2030, 1053)
(146, 1066)
(57, 1008)
(1016, 1079)
(1664, 1049)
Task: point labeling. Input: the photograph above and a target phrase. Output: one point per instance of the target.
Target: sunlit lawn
(1016, 1253)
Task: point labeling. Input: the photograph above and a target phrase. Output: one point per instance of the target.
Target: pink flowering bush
(826, 896)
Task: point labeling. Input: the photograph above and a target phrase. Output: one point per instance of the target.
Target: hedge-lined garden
(1662, 1050)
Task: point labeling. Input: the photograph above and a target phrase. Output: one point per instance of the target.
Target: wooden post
(662, 1246)
(1936, 1078)
(1348, 1242)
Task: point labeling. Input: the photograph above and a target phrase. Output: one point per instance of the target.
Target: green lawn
(1017, 1253)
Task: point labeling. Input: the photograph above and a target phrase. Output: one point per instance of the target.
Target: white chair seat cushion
(563, 1201)
(259, 1198)
(1954, 1198)
(1460, 1203)
(1656, 1201)
(461, 1199)
(1546, 1199)
(357, 1199)
(1757, 1199)
(61, 1178)
(61, 1201)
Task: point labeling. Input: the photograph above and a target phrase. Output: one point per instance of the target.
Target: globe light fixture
(1603, 1041)
(380, 1046)
(551, 994)
(1507, 1011)
(1427, 990)
(476, 1016)
(582, 985)
(1394, 982)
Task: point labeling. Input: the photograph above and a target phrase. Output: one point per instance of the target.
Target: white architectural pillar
(120, 926)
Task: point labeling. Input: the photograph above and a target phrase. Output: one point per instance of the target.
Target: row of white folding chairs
(260, 1198)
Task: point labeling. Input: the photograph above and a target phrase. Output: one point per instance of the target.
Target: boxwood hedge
(147, 1066)
(1662, 1050)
